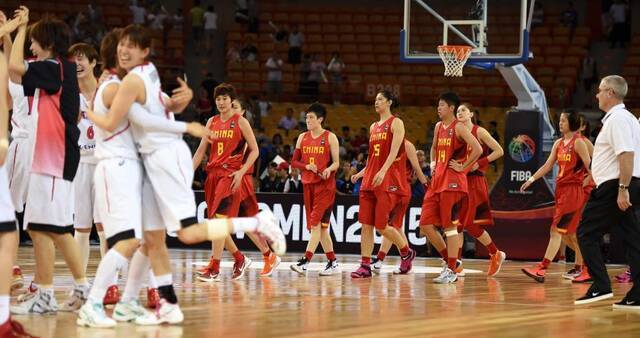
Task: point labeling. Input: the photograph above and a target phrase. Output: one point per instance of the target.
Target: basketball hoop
(454, 57)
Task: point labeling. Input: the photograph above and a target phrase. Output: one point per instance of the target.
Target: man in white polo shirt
(615, 202)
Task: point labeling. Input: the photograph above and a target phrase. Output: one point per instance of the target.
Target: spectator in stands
(249, 52)
(95, 12)
(618, 13)
(293, 184)
(305, 70)
(296, 42)
(264, 106)
(302, 121)
(362, 138)
(178, 20)
(283, 174)
(242, 11)
(204, 106)
(537, 19)
(316, 75)
(288, 122)
(138, 12)
(335, 68)
(569, 18)
(233, 53)
(274, 76)
(157, 18)
(493, 131)
(589, 72)
(276, 145)
(210, 27)
(197, 24)
(269, 183)
(343, 179)
(280, 34)
(346, 137)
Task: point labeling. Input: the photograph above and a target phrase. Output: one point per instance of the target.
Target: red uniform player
(383, 185)
(572, 155)
(317, 157)
(449, 183)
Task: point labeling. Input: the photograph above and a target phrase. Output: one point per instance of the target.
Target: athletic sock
(381, 255)
(308, 255)
(266, 254)
(331, 255)
(366, 261)
(444, 254)
(108, 268)
(4, 308)
(153, 284)
(165, 288)
(545, 263)
(237, 256)
(452, 262)
(215, 265)
(103, 243)
(404, 251)
(493, 249)
(138, 270)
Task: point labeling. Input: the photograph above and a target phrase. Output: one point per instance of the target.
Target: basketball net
(454, 57)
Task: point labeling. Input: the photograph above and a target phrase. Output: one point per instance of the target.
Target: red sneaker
(584, 277)
(364, 271)
(17, 281)
(270, 263)
(537, 273)
(624, 277)
(11, 329)
(153, 298)
(239, 269)
(205, 270)
(495, 263)
(112, 296)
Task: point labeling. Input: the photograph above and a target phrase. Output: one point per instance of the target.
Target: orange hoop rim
(461, 52)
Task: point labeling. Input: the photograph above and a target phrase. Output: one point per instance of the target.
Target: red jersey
(449, 147)
(379, 148)
(316, 151)
(571, 170)
(227, 145)
(485, 152)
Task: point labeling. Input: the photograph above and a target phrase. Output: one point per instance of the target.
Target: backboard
(498, 30)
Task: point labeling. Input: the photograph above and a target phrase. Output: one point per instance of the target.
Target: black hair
(451, 99)
(574, 119)
(319, 110)
(52, 34)
(586, 124)
(346, 128)
(395, 103)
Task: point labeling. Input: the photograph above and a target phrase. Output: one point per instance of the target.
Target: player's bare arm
(546, 167)
(252, 147)
(202, 149)
(335, 156)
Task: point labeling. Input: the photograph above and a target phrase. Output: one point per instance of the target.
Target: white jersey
(119, 143)
(22, 123)
(147, 142)
(87, 140)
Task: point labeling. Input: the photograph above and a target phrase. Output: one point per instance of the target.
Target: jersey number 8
(220, 148)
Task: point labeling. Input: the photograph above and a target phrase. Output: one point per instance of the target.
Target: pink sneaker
(364, 271)
(407, 262)
(624, 277)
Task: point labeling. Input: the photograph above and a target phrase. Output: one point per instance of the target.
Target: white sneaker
(128, 311)
(76, 300)
(301, 266)
(332, 268)
(376, 267)
(165, 313)
(269, 229)
(92, 315)
(446, 277)
(38, 302)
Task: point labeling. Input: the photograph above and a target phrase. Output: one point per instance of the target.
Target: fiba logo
(522, 148)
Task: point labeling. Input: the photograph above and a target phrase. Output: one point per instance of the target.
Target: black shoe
(627, 304)
(593, 295)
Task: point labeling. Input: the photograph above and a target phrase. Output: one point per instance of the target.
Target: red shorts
(220, 200)
(378, 208)
(319, 199)
(475, 213)
(248, 200)
(441, 209)
(398, 218)
(569, 202)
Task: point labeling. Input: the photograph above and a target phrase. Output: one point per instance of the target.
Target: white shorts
(85, 212)
(7, 213)
(118, 184)
(18, 166)
(170, 172)
(49, 204)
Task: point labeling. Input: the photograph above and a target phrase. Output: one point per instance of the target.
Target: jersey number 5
(376, 150)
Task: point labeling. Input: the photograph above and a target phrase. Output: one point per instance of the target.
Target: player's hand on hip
(325, 174)
(355, 178)
(455, 165)
(377, 180)
(623, 199)
(237, 178)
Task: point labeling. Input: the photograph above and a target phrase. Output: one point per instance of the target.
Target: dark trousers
(602, 215)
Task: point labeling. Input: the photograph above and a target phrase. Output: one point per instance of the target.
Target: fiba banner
(522, 216)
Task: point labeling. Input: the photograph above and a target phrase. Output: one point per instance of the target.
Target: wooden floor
(289, 305)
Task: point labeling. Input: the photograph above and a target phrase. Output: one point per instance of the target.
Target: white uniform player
(84, 190)
(7, 212)
(19, 155)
